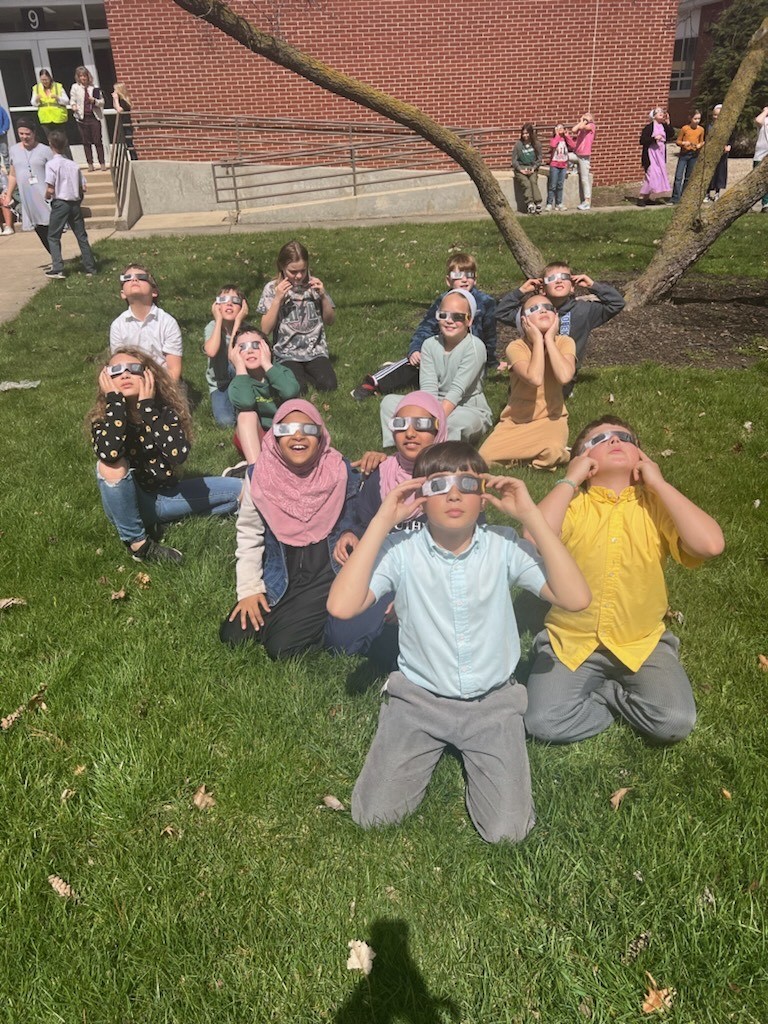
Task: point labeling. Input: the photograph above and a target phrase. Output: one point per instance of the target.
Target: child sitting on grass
(458, 639)
(257, 389)
(295, 310)
(534, 423)
(229, 311)
(461, 272)
(620, 519)
(144, 325)
(451, 368)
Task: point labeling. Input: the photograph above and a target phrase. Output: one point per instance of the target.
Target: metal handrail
(119, 166)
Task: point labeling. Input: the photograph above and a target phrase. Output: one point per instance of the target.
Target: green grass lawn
(242, 912)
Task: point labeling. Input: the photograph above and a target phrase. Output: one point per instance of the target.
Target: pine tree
(730, 37)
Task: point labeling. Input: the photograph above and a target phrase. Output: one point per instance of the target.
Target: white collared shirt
(158, 334)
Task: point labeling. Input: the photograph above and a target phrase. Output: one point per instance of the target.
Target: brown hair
(555, 265)
(142, 270)
(449, 457)
(291, 252)
(167, 391)
(461, 261)
(608, 421)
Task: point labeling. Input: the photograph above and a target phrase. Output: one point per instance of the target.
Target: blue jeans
(63, 212)
(132, 510)
(221, 407)
(683, 171)
(556, 185)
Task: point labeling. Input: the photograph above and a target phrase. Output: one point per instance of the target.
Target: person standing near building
(51, 102)
(761, 149)
(65, 187)
(5, 124)
(27, 173)
(580, 140)
(87, 102)
(654, 138)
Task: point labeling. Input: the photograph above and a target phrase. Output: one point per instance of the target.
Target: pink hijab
(397, 469)
(300, 506)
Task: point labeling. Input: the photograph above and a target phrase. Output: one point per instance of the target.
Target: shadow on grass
(395, 989)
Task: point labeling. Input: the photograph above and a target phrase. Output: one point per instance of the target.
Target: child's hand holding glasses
(146, 385)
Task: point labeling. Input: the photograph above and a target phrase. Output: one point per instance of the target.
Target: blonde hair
(120, 90)
(167, 391)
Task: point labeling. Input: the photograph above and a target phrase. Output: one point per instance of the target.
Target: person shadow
(394, 991)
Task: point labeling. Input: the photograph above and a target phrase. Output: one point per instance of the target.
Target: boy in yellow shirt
(620, 519)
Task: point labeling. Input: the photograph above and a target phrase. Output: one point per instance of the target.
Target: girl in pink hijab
(298, 500)
(417, 423)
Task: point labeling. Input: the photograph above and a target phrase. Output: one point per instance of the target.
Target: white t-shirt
(761, 144)
(158, 334)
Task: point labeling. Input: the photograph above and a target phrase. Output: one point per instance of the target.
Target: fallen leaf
(62, 888)
(80, 769)
(756, 503)
(585, 1007)
(637, 946)
(726, 794)
(117, 595)
(657, 1000)
(392, 894)
(11, 602)
(143, 579)
(35, 703)
(361, 956)
(66, 794)
(171, 832)
(763, 662)
(203, 799)
(638, 876)
(707, 899)
(10, 720)
(610, 399)
(666, 453)
(333, 803)
(748, 426)
(99, 551)
(674, 616)
(352, 908)
(103, 581)
(618, 796)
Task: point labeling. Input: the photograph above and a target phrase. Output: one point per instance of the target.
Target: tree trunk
(216, 13)
(692, 230)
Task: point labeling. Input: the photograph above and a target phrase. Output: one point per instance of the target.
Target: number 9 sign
(34, 18)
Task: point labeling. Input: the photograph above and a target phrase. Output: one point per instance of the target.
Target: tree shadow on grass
(394, 991)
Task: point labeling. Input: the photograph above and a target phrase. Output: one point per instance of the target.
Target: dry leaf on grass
(611, 399)
(361, 956)
(762, 662)
(117, 595)
(203, 799)
(11, 602)
(637, 946)
(66, 794)
(80, 769)
(62, 888)
(674, 616)
(657, 1000)
(666, 453)
(143, 579)
(171, 832)
(618, 796)
(726, 794)
(333, 803)
(35, 703)
(748, 426)
(756, 503)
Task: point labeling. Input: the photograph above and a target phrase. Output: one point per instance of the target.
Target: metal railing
(120, 166)
(261, 160)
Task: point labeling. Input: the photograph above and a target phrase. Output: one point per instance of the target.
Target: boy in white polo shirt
(65, 188)
(144, 325)
(458, 638)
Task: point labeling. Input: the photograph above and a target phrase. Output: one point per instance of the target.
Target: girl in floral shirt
(140, 428)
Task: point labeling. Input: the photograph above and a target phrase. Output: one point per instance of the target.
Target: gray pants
(415, 726)
(465, 423)
(63, 212)
(566, 706)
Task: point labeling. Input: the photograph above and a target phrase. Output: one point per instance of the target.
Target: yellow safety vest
(49, 111)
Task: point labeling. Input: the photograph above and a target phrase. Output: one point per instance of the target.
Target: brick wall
(613, 57)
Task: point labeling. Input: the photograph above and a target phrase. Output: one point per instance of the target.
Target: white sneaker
(560, 207)
(586, 205)
(548, 207)
(7, 230)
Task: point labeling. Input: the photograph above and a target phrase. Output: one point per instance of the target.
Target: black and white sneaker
(151, 551)
(362, 391)
(54, 273)
(238, 470)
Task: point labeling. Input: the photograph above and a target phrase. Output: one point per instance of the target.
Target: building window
(682, 66)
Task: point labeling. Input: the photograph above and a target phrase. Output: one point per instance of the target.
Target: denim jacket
(261, 562)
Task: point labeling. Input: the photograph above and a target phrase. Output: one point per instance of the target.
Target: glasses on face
(133, 277)
(448, 314)
(538, 308)
(464, 482)
(457, 275)
(137, 369)
(228, 300)
(248, 346)
(287, 429)
(398, 423)
(560, 276)
(606, 435)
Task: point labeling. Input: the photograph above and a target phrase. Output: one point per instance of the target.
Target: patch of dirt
(709, 322)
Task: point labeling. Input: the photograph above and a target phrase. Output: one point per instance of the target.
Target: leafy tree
(731, 35)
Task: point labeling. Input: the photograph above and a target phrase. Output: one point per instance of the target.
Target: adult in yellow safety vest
(51, 101)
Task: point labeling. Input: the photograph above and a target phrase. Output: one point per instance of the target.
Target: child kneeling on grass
(620, 519)
(458, 639)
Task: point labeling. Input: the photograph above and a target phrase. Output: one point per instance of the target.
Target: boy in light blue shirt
(458, 638)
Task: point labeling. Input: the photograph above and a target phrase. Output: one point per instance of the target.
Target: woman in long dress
(654, 138)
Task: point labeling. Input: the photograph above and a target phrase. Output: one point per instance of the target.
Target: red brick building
(492, 69)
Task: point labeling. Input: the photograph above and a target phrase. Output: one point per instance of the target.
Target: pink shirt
(581, 142)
